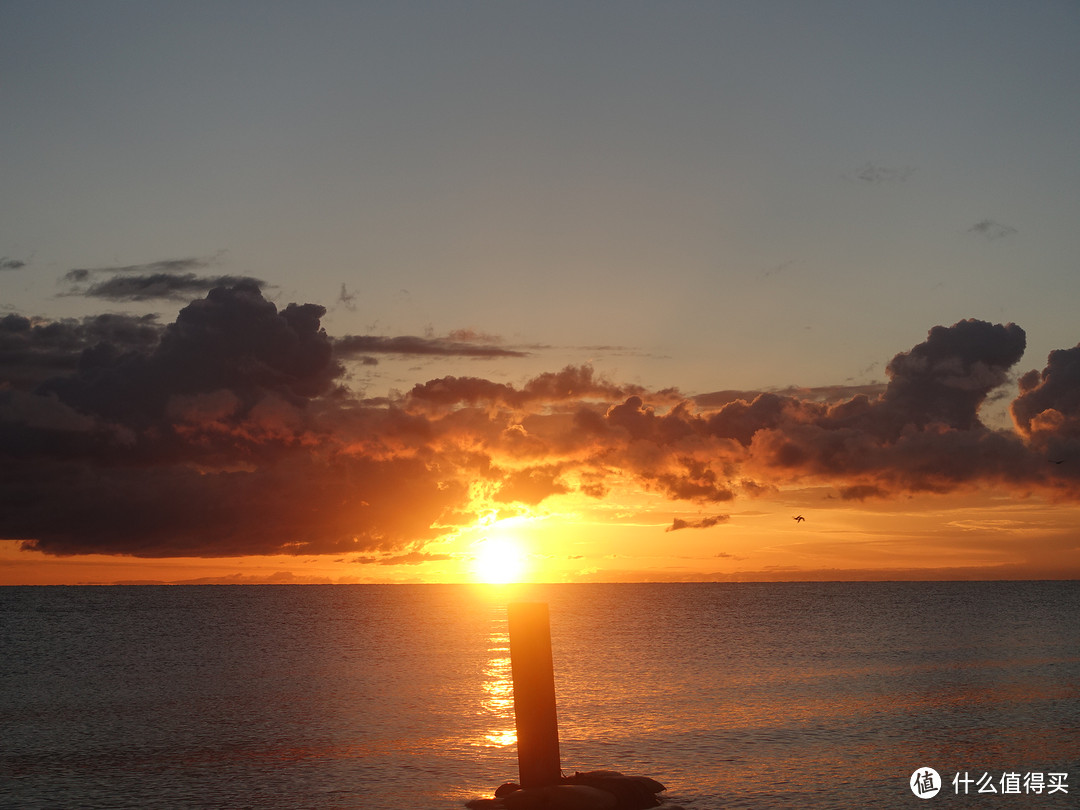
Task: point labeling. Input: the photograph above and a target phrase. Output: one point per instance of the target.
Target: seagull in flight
(798, 518)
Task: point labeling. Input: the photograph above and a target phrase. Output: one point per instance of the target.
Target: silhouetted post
(534, 694)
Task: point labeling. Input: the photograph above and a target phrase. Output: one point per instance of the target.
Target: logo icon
(925, 783)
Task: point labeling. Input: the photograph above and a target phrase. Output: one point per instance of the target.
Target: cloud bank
(230, 432)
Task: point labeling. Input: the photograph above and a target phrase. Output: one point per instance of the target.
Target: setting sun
(498, 561)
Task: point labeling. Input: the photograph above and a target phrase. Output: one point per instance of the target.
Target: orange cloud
(228, 433)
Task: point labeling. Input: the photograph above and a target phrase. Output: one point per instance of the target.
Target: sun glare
(498, 561)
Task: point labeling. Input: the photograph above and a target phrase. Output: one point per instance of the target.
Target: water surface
(735, 695)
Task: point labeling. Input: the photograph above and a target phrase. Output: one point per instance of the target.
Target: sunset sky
(421, 292)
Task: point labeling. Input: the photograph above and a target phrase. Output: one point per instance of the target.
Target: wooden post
(534, 694)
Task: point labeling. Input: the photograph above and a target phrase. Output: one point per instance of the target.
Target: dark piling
(534, 694)
(543, 787)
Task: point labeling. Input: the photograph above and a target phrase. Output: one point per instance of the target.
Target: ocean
(734, 695)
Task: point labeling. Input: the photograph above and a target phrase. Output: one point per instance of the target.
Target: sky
(436, 292)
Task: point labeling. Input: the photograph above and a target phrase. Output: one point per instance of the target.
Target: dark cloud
(823, 393)
(673, 452)
(295, 503)
(32, 350)
(473, 336)
(740, 420)
(875, 174)
(156, 286)
(693, 480)
(232, 341)
(11, 264)
(701, 523)
(167, 266)
(351, 345)
(225, 436)
(571, 384)
(861, 492)
(777, 270)
(347, 299)
(945, 379)
(168, 279)
(991, 229)
(922, 432)
(1047, 412)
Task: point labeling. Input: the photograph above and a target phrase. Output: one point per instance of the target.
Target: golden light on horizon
(499, 560)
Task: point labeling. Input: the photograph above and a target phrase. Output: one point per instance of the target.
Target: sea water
(734, 695)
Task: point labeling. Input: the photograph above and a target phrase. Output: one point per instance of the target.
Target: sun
(499, 560)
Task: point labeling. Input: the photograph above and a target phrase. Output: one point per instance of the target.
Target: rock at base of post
(630, 792)
(589, 790)
(563, 797)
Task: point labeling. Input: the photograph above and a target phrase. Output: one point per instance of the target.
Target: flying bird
(798, 518)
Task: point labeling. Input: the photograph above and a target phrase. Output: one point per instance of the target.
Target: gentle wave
(734, 695)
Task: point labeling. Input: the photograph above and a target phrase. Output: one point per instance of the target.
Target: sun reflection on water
(498, 693)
